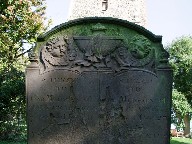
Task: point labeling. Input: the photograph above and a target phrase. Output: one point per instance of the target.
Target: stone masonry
(131, 10)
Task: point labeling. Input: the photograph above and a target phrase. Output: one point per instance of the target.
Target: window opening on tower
(104, 5)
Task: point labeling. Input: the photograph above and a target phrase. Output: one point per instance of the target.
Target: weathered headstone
(98, 80)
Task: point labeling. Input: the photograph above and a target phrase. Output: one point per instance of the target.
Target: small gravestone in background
(98, 80)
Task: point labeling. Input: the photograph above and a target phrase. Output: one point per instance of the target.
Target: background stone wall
(131, 10)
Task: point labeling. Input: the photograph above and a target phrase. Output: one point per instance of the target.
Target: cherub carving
(55, 52)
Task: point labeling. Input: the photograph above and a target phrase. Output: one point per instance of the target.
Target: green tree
(180, 106)
(21, 21)
(12, 104)
(181, 60)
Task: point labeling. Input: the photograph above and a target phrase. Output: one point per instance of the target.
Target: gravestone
(98, 80)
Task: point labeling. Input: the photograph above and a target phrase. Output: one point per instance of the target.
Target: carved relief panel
(97, 52)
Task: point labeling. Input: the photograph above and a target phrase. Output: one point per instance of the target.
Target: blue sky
(169, 18)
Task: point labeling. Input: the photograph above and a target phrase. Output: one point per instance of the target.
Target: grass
(181, 141)
(173, 141)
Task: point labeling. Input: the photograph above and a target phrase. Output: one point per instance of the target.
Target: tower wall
(131, 10)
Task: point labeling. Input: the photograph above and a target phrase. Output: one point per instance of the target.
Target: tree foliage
(181, 60)
(21, 21)
(12, 103)
(180, 104)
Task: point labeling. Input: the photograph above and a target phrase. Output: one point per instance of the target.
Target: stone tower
(131, 10)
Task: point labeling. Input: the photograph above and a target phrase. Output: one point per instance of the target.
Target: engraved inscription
(112, 106)
(52, 104)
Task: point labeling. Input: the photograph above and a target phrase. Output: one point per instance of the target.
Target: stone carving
(33, 58)
(99, 87)
(97, 51)
(126, 59)
(54, 53)
(140, 47)
(163, 59)
(98, 48)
